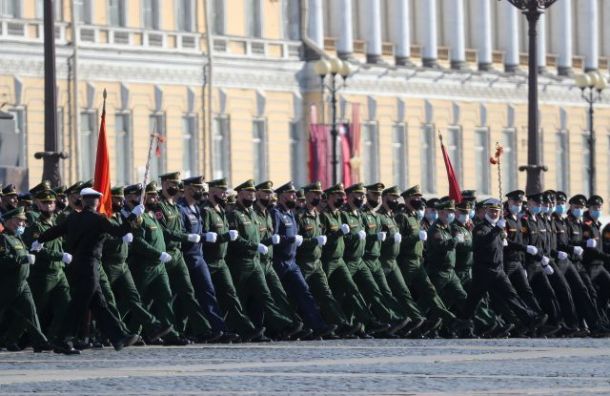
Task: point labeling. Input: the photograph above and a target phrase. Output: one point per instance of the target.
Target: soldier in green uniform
(33, 212)
(10, 199)
(114, 262)
(75, 203)
(440, 257)
(47, 279)
(61, 202)
(339, 277)
(264, 191)
(244, 263)
(15, 294)
(168, 215)
(217, 237)
(390, 249)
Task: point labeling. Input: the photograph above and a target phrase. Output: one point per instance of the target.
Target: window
(116, 13)
(58, 10)
(221, 147)
(370, 152)
(10, 8)
(259, 149)
(509, 160)
(13, 139)
(217, 16)
(87, 144)
(399, 155)
(150, 14)
(481, 160)
(586, 162)
(184, 16)
(83, 11)
(254, 23)
(561, 161)
(189, 145)
(296, 153)
(291, 18)
(157, 162)
(123, 148)
(454, 150)
(428, 159)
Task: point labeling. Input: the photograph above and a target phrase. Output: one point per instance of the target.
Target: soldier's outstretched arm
(31, 234)
(54, 232)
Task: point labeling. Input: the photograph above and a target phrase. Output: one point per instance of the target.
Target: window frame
(225, 149)
(193, 147)
(127, 175)
(375, 158)
(430, 185)
(458, 162)
(401, 180)
(260, 150)
(484, 170)
(93, 119)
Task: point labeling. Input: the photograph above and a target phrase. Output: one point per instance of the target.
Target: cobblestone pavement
(387, 367)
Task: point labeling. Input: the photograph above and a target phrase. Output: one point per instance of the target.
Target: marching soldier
(10, 199)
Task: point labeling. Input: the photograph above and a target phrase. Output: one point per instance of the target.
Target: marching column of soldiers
(186, 261)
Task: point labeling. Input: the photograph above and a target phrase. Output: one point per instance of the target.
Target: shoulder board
(588, 222)
(158, 215)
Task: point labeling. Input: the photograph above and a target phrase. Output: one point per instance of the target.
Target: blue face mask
(544, 209)
(431, 216)
(420, 214)
(536, 209)
(576, 213)
(515, 209)
(450, 218)
(20, 230)
(462, 218)
(471, 214)
(595, 214)
(561, 209)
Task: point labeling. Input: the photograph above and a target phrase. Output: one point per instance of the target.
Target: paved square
(392, 367)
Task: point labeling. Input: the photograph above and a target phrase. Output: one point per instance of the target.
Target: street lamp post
(333, 68)
(532, 9)
(591, 85)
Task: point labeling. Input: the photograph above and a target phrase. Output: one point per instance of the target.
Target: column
(315, 28)
(565, 53)
(541, 38)
(345, 41)
(401, 34)
(590, 24)
(373, 31)
(482, 25)
(429, 33)
(510, 16)
(455, 27)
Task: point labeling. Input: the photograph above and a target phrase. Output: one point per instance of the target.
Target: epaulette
(588, 222)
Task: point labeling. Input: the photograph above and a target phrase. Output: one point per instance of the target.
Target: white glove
(165, 257)
(233, 234)
(298, 239)
(578, 251)
(321, 239)
(31, 259)
(545, 261)
(397, 237)
(504, 242)
(501, 223)
(533, 250)
(262, 249)
(423, 235)
(138, 210)
(194, 238)
(362, 235)
(381, 236)
(128, 238)
(591, 243)
(211, 237)
(548, 269)
(67, 258)
(36, 246)
(345, 229)
(562, 255)
(275, 239)
(459, 238)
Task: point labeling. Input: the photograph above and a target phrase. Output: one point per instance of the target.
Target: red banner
(455, 192)
(101, 179)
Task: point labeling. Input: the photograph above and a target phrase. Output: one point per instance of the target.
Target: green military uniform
(308, 259)
(353, 257)
(265, 230)
(440, 260)
(47, 279)
(170, 219)
(248, 275)
(215, 220)
(390, 249)
(410, 263)
(15, 295)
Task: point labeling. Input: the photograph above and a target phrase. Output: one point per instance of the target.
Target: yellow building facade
(152, 57)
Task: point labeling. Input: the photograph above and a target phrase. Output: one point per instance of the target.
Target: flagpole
(147, 170)
(499, 172)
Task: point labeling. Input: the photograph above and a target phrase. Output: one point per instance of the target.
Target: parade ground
(354, 367)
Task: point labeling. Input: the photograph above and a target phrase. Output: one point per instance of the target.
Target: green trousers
(318, 285)
(449, 288)
(406, 304)
(51, 294)
(22, 309)
(286, 307)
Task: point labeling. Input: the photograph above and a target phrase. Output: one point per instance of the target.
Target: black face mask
(152, 206)
(222, 202)
(264, 202)
(135, 202)
(291, 204)
(358, 202)
(373, 204)
(197, 196)
(339, 202)
(315, 202)
(247, 203)
(172, 191)
(117, 207)
(60, 205)
(417, 204)
(393, 205)
(78, 203)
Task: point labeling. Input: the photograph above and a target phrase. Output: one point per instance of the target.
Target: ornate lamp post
(333, 68)
(532, 9)
(591, 86)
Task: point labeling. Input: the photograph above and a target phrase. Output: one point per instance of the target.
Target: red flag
(101, 179)
(455, 192)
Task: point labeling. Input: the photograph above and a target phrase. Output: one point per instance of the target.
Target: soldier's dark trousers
(564, 296)
(449, 288)
(601, 280)
(286, 306)
(585, 306)
(518, 277)
(51, 294)
(390, 302)
(23, 314)
(204, 291)
(367, 285)
(318, 285)
(406, 305)
(543, 291)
